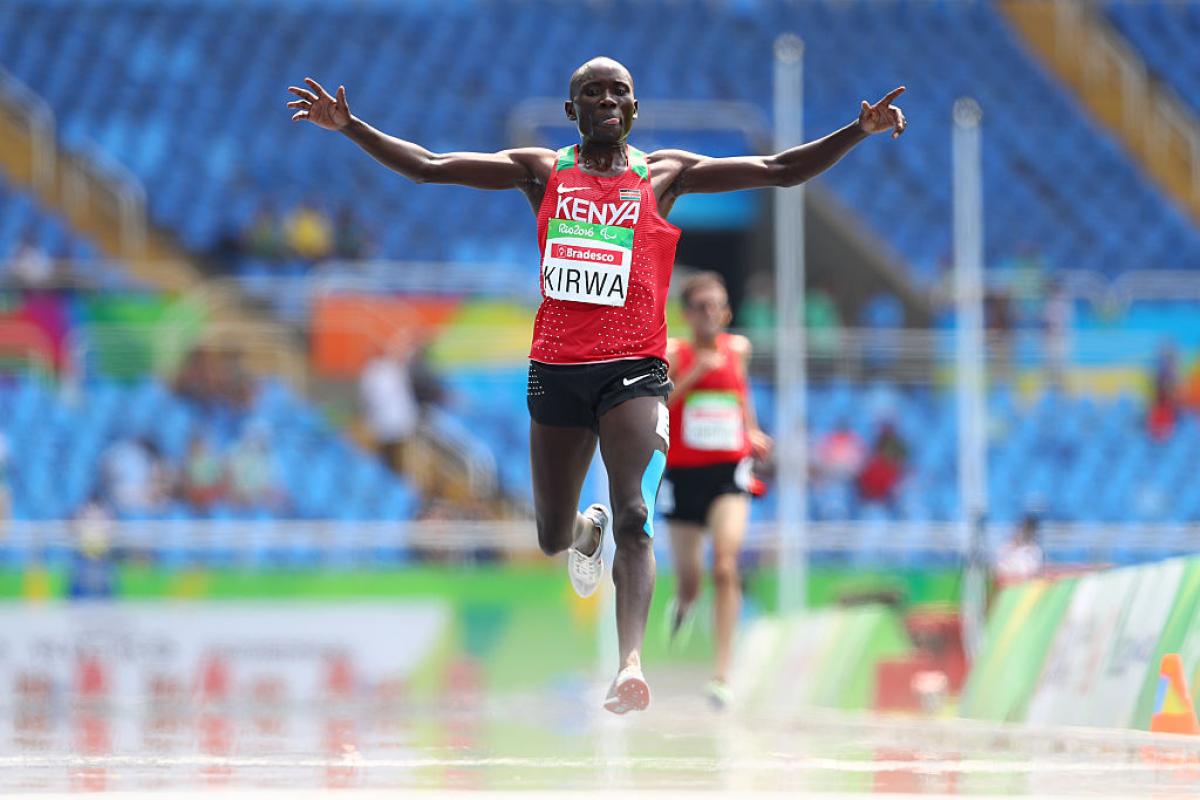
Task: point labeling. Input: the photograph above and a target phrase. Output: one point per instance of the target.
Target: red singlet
(607, 257)
(708, 425)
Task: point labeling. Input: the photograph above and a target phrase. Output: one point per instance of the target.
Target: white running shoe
(585, 571)
(719, 695)
(629, 692)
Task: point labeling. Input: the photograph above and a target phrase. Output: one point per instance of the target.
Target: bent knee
(554, 535)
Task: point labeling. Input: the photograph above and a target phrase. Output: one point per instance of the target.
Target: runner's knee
(555, 531)
(725, 572)
(630, 526)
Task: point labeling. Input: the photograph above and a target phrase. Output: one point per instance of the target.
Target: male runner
(714, 433)
(597, 370)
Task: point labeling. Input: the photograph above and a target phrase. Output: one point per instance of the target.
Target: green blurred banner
(825, 658)
(1086, 651)
(1018, 637)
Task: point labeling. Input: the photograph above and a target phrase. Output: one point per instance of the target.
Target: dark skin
(603, 107)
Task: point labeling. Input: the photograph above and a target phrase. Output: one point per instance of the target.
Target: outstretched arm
(699, 174)
(524, 168)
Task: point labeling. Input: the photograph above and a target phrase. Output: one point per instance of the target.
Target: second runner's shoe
(585, 571)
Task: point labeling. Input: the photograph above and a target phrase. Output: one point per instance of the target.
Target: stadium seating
(23, 220)
(56, 443)
(1072, 459)
(1164, 35)
(168, 89)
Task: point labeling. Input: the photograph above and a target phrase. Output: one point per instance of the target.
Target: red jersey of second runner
(607, 256)
(708, 424)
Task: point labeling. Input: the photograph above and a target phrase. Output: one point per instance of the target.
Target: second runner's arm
(760, 442)
(509, 169)
(705, 361)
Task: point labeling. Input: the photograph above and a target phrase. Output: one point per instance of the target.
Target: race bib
(587, 262)
(713, 421)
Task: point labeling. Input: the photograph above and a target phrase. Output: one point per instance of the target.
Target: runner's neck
(699, 343)
(603, 159)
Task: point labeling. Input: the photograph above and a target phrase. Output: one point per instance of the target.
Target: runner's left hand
(760, 444)
(883, 115)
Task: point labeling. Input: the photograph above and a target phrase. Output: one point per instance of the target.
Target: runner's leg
(635, 456)
(687, 550)
(560, 457)
(727, 516)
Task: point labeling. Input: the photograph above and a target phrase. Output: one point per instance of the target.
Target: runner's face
(604, 106)
(708, 311)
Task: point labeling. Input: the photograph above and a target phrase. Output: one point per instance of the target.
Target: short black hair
(699, 280)
(578, 76)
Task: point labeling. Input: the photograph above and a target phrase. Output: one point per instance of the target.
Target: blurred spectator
(203, 479)
(388, 399)
(881, 474)
(309, 233)
(1166, 372)
(756, 314)
(350, 238)
(841, 453)
(31, 266)
(195, 378)
(891, 445)
(252, 479)
(215, 379)
(1058, 318)
(427, 385)
(823, 324)
(1164, 405)
(234, 387)
(264, 238)
(92, 571)
(1161, 417)
(136, 478)
(1021, 557)
(999, 323)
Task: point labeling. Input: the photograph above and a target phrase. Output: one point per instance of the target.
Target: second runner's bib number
(586, 262)
(712, 421)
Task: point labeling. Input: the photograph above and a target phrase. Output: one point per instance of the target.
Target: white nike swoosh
(564, 189)
(632, 381)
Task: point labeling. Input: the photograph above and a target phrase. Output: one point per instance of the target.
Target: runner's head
(706, 304)
(602, 102)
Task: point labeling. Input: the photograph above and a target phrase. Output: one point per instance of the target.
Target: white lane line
(784, 763)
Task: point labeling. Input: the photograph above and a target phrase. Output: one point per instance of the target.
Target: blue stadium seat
(151, 59)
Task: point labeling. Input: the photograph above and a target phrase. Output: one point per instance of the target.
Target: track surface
(559, 740)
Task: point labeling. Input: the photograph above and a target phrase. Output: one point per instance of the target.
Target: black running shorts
(693, 489)
(577, 395)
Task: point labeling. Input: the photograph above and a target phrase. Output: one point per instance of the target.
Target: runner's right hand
(708, 360)
(319, 107)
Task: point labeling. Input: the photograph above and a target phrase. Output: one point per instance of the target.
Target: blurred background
(242, 363)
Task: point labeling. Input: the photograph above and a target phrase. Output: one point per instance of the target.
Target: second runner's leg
(727, 517)
(687, 553)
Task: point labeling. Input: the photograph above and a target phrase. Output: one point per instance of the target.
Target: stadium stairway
(157, 262)
(269, 347)
(1077, 43)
